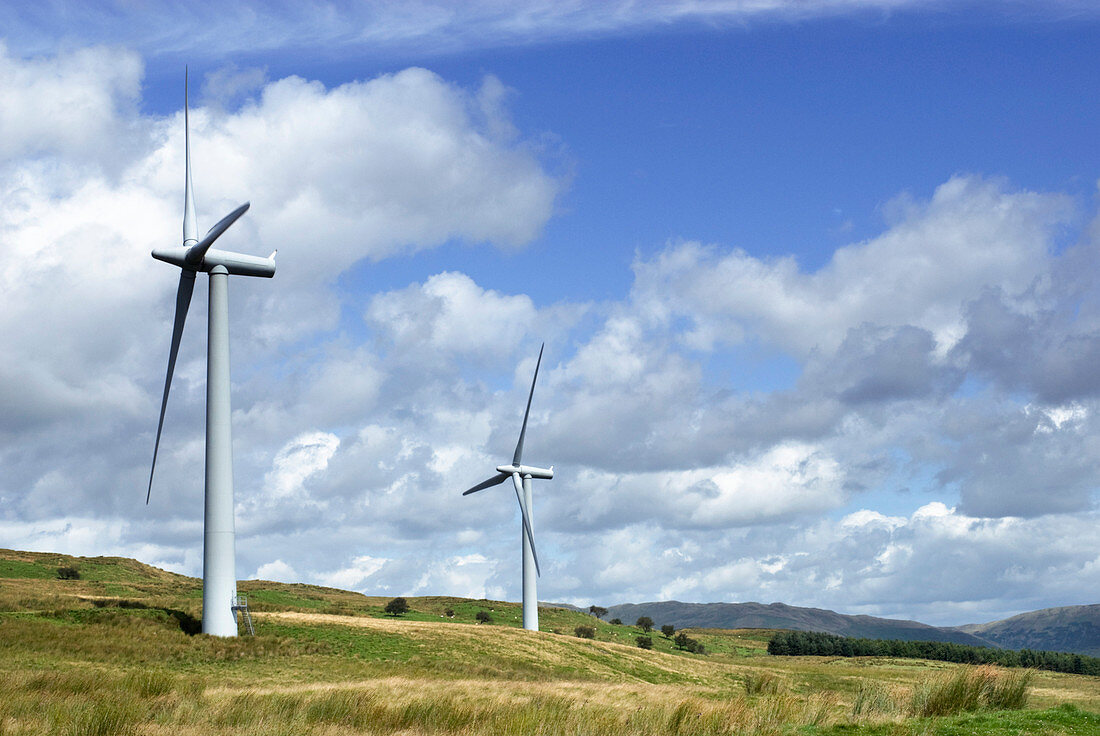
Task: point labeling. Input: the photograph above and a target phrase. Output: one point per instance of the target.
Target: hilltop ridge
(1068, 629)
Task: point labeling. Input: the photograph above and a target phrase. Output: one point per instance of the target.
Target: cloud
(332, 174)
(1045, 349)
(303, 457)
(277, 570)
(971, 235)
(450, 316)
(938, 414)
(1012, 461)
(81, 104)
(420, 28)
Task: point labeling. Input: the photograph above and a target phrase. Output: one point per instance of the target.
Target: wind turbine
(521, 476)
(219, 576)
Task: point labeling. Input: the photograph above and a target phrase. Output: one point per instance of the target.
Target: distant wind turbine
(219, 577)
(521, 476)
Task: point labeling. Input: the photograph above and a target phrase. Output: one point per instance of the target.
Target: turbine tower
(219, 576)
(521, 476)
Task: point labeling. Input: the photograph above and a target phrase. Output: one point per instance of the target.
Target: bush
(449, 612)
(683, 641)
(68, 573)
(644, 642)
(645, 623)
(397, 606)
(616, 622)
(483, 617)
(585, 632)
(668, 630)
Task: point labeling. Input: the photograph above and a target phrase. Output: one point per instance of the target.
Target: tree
(616, 622)
(668, 630)
(585, 632)
(644, 642)
(645, 623)
(682, 640)
(597, 611)
(397, 606)
(483, 617)
(449, 612)
(68, 573)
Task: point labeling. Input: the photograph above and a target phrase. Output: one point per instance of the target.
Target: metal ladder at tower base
(240, 603)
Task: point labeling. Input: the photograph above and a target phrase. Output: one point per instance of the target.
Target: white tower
(219, 577)
(521, 478)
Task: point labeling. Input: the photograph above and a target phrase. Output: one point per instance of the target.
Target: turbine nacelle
(527, 470)
(237, 264)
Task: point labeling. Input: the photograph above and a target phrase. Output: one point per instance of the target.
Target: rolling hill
(782, 616)
(1066, 629)
(113, 651)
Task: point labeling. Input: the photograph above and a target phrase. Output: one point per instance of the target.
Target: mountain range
(1067, 629)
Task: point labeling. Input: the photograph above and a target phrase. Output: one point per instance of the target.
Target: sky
(817, 282)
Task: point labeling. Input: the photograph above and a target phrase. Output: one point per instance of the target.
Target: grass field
(108, 654)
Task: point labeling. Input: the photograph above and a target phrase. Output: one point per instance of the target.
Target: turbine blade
(496, 480)
(523, 431)
(526, 520)
(197, 251)
(190, 234)
(183, 301)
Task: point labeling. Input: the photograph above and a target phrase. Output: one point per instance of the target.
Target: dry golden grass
(324, 664)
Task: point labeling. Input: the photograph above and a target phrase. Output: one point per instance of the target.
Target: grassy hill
(782, 616)
(109, 654)
(1065, 629)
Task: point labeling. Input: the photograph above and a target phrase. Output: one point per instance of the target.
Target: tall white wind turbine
(219, 577)
(521, 476)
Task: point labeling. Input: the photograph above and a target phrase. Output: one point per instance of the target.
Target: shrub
(683, 641)
(68, 573)
(483, 617)
(644, 642)
(645, 623)
(668, 630)
(616, 622)
(397, 606)
(449, 612)
(585, 632)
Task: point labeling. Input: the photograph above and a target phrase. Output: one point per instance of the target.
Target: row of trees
(400, 606)
(795, 643)
(682, 641)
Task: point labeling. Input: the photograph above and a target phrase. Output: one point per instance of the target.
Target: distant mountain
(782, 616)
(1066, 629)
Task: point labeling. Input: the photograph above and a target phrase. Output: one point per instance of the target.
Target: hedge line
(811, 642)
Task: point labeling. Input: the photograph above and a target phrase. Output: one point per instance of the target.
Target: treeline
(811, 642)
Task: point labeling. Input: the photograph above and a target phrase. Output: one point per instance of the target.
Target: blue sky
(817, 282)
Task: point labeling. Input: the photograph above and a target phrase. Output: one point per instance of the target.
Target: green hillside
(1064, 629)
(782, 616)
(109, 653)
